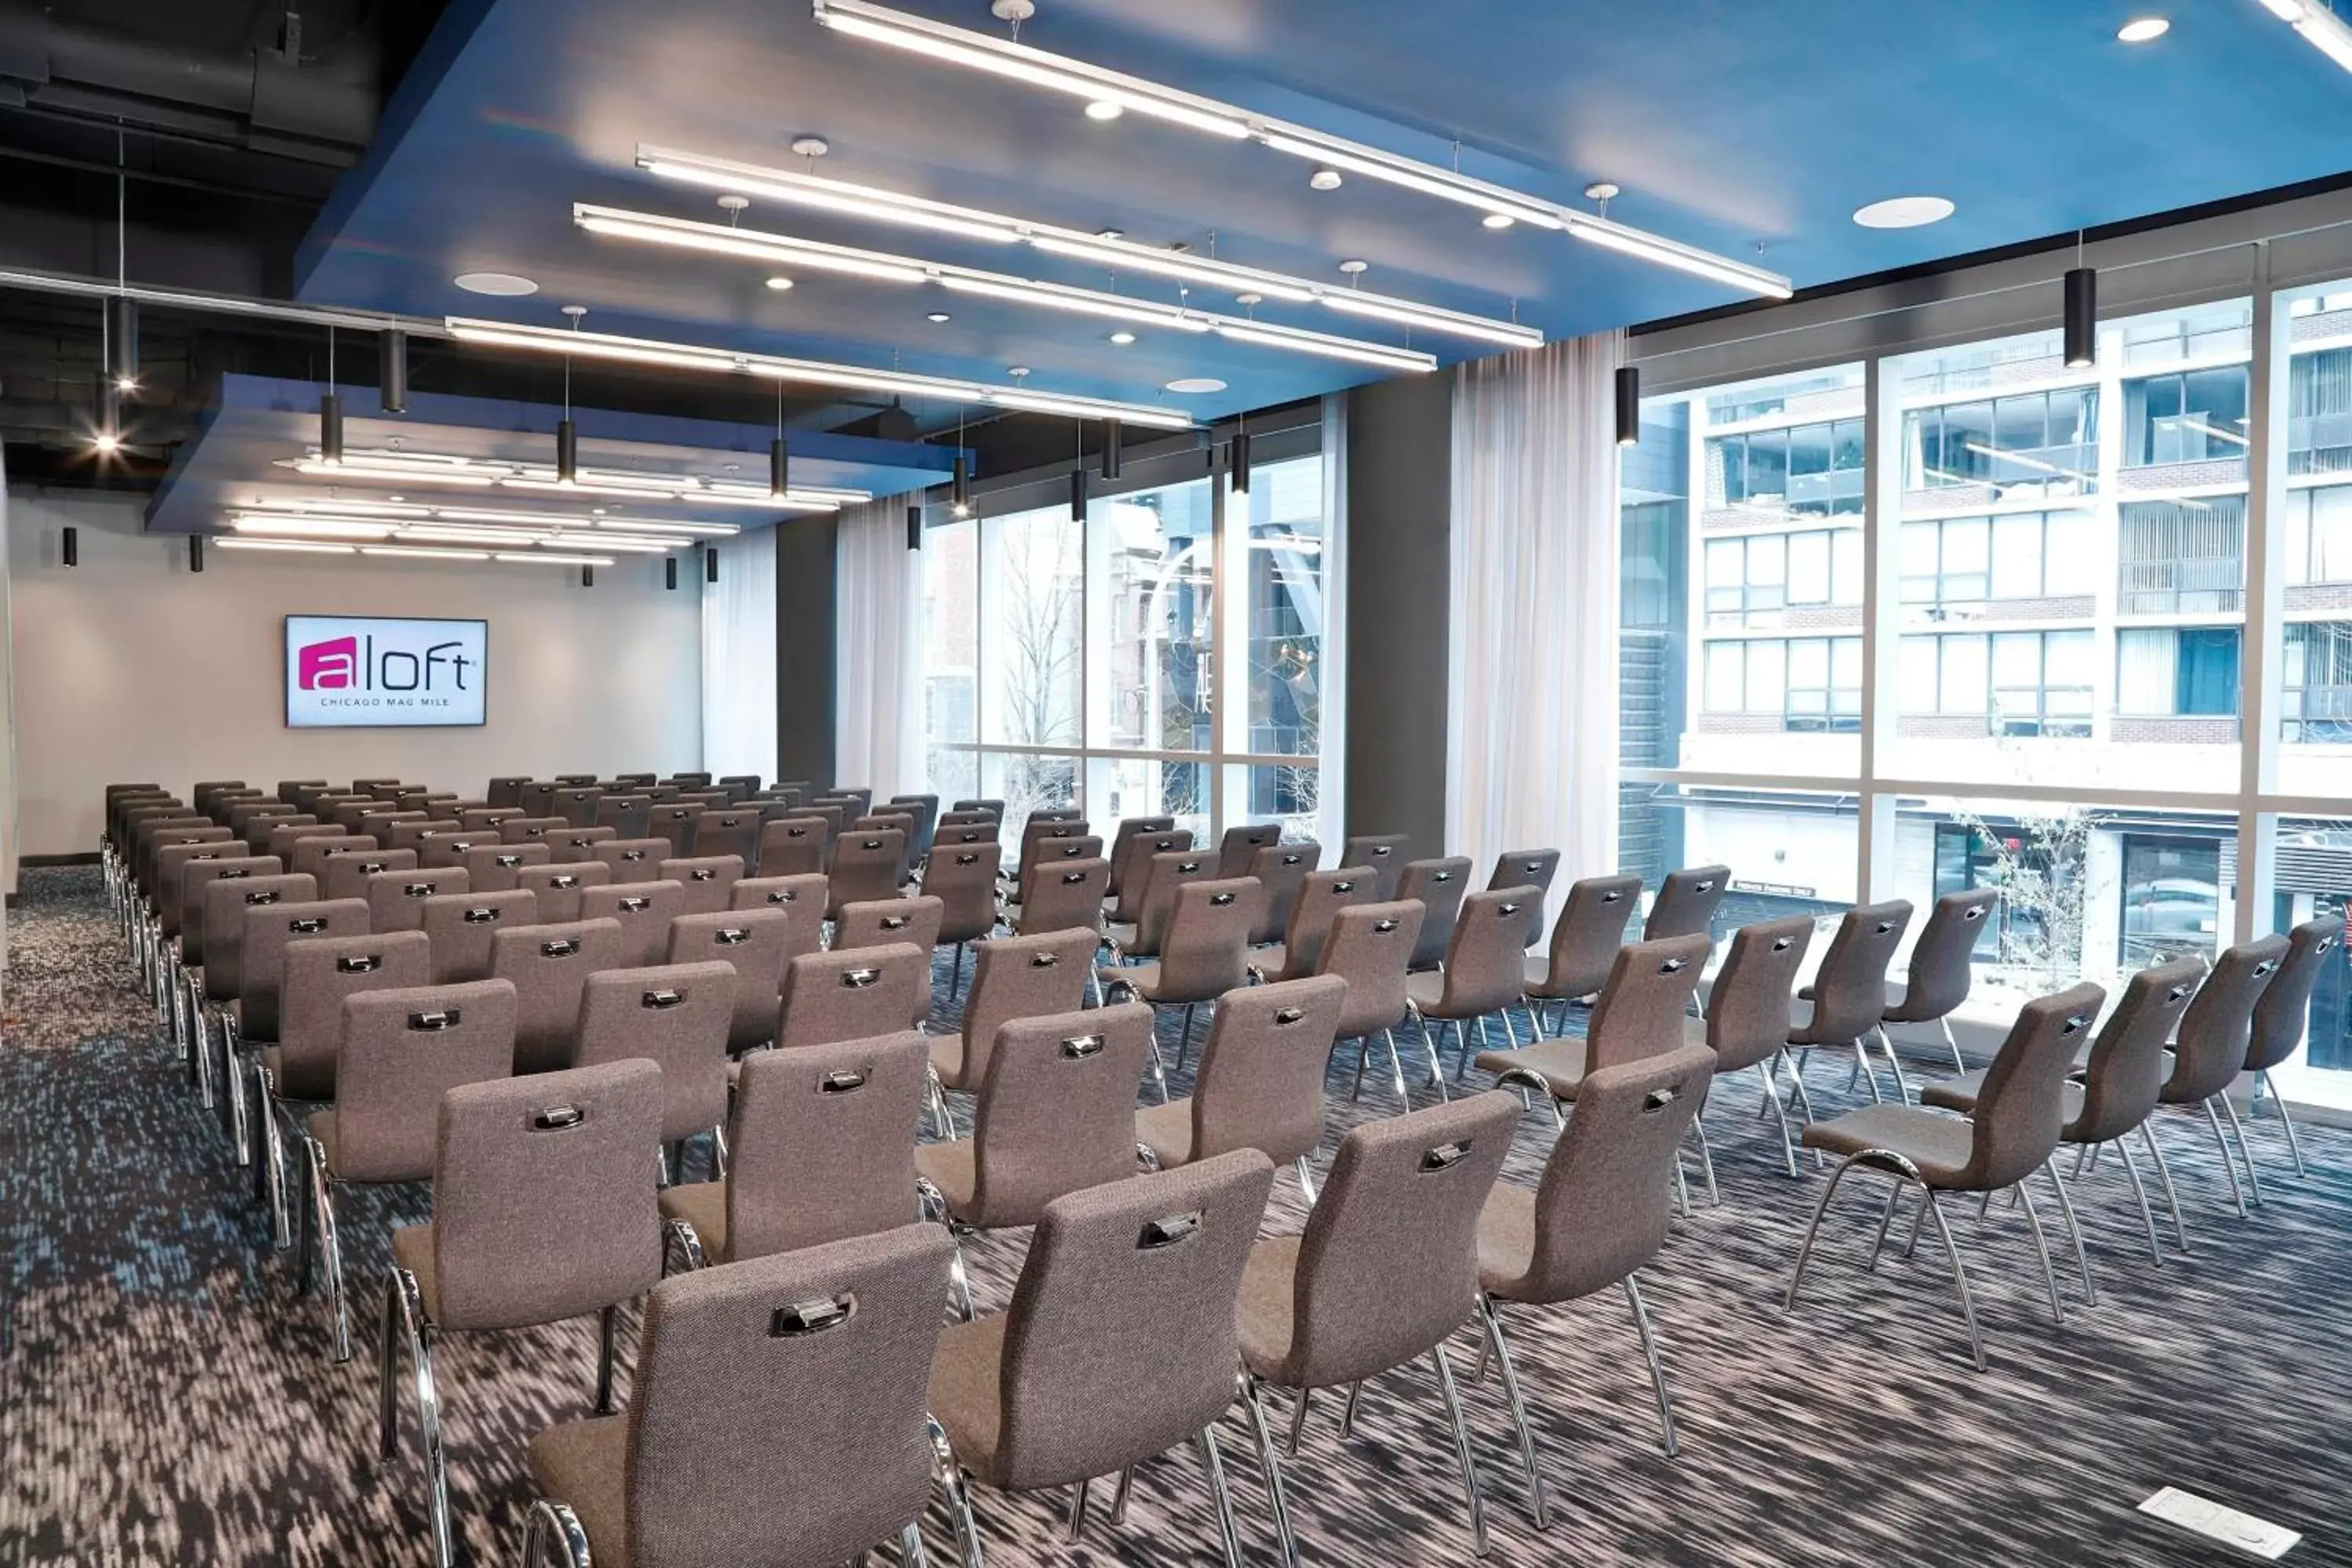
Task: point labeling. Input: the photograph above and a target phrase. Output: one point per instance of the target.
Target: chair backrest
(1321, 896)
(673, 820)
(179, 836)
(1586, 937)
(1056, 1109)
(395, 900)
(2021, 1107)
(802, 896)
(706, 880)
(445, 846)
(963, 878)
(506, 790)
(875, 821)
(1165, 874)
(1523, 868)
(1385, 853)
(1605, 1196)
(411, 834)
(690, 780)
(822, 1145)
(348, 871)
(1370, 947)
(1129, 829)
(402, 1049)
(224, 896)
(543, 1205)
(462, 929)
(1280, 869)
(814, 1372)
(730, 833)
(632, 859)
(1132, 861)
(550, 965)
(1388, 1265)
(865, 866)
(579, 843)
(1029, 976)
(1065, 896)
(1204, 948)
(2123, 1079)
(758, 943)
(319, 974)
(1240, 846)
(995, 808)
(793, 846)
(853, 995)
(1748, 1005)
(558, 887)
(878, 922)
(1439, 885)
(676, 1015)
(1486, 964)
(1943, 959)
(529, 829)
(537, 796)
(476, 819)
(172, 860)
(197, 934)
(1142, 1272)
(1849, 987)
(257, 829)
(1641, 1010)
(2210, 1048)
(576, 804)
(629, 815)
(1687, 902)
(1261, 1081)
(2284, 1006)
(834, 817)
(643, 911)
(660, 793)
(974, 819)
(492, 867)
(284, 836)
(269, 929)
(1043, 825)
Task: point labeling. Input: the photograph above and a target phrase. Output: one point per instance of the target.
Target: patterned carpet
(165, 1398)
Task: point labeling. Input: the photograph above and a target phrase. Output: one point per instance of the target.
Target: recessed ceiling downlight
(1192, 386)
(1904, 212)
(2143, 29)
(504, 285)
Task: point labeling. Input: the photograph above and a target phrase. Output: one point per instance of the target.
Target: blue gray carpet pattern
(165, 1397)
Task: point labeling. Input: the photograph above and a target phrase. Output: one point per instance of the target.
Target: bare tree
(1039, 621)
(2040, 869)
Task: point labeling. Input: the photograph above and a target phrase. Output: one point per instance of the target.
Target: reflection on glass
(1791, 852)
(2315, 882)
(950, 657)
(1152, 555)
(1027, 784)
(1031, 601)
(1121, 787)
(1279, 525)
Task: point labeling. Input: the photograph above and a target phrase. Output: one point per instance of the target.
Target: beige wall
(130, 667)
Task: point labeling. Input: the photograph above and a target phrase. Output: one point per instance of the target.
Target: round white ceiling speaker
(505, 285)
(1190, 386)
(1904, 212)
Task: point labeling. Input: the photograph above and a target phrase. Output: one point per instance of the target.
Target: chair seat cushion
(585, 1466)
(1507, 1237)
(1167, 1131)
(310, 1082)
(947, 1061)
(967, 1392)
(1427, 990)
(412, 1248)
(1960, 1094)
(952, 1168)
(703, 1205)
(1143, 976)
(1561, 1062)
(1123, 933)
(1536, 981)
(1937, 1145)
(1265, 1311)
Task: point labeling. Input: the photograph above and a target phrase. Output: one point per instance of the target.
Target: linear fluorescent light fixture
(312, 527)
(1060, 73)
(2321, 27)
(558, 340)
(791, 250)
(293, 546)
(1120, 255)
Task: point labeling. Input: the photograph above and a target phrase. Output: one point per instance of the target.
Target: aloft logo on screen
(352, 664)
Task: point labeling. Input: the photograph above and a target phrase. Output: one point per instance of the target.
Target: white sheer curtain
(878, 690)
(1532, 701)
(739, 656)
(1331, 693)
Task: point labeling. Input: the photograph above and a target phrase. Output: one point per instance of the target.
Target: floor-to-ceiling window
(1164, 655)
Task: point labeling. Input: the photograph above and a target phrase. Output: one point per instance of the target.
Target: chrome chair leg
(273, 1158)
(1657, 1368)
(1301, 1402)
(1347, 1411)
(1396, 1068)
(330, 1246)
(1119, 1495)
(2245, 1148)
(2041, 1247)
(608, 1331)
(681, 1236)
(950, 1476)
(2229, 1163)
(911, 1548)
(1705, 1159)
(933, 1206)
(1681, 1186)
(2164, 1174)
(1268, 1465)
(1885, 1220)
(1862, 1068)
(1895, 1067)
(2278, 1102)
(1305, 1178)
(2074, 1230)
(1364, 1060)
(1499, 1348)
(1959, 1063)
(1959, 1276)
(1462, 1448)
(233, 1085)
(2140, 1191)
(1805, 1247)
(1078, 1520)
(942, 1119)
(1765, 1070)
(1228, 1533)
(403, 1316)
(551, 1520)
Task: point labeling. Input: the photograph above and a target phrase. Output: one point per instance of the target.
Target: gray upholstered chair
(1154, 877)
(395, 900)
(217, 916)
(1261, 1081)
(310, 852)
(1321, 896)
(1053, 849)
(1385, 853)
(756, 944)
(1202, 952)
(1485, 968)
(880, 922)
(400, 1050)
(793, 845)
(809, 1374)
(536, 796)
(1686, 902)
(1943, 966)
(1640, 1014)
(643, 911)
(1848, 996)
(1747, 1022)
(993, 808)
(962, 877)
(543, 1210)
(258, 827)
(559, 886)
(2021, 1107)
(284, 836)
(1129, 829)
(1131, 856)
(2210, 1050)
(474, 820)
(1241, 844)
(411, 834)
(1041, 826)
(952, 832)
(444, 848)
(256, 1020)
(1439, 885)
(1012, 977)
(2280, 1017)
(1057, 1114)
(705, 880)
(1069, 897)
(1385, 1273)
(460, 926)
(1584, 943)
(529, 829)
(492, 868)
(345, 873)
(677, 1016)
(865, 866)
(856, 996)
(925, 810)
(1598, 1212)
(802, 896)
(820, 1147)
(632, 859)
(1370, 949)
(1119, 1342)
(1281, 871)
(550, 965)
(673, 820)
(1525, 868)
(579, 843)
(2112, 1093)
(735, 833)
(629, 816)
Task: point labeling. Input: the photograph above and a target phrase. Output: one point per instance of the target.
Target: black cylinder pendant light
(1077, 495)
(2081, 318)
(914, 527)
(959, 487)
(330, 427)
(122, 342)
(1238, 461)
(195, 553)
(710, 563)
(780, 468)
(69, 545)
(391, 371)
(1112, 458)
(587, 576)
(1628, 406)
(567, 451)
(669, 573)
